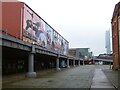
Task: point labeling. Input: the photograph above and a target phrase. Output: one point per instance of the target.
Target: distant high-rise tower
(107, 40)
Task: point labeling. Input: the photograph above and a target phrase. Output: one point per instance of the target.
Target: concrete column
(83, 62)
(78, 62)
(110, 66)
(31, 72)
(74, 62)
(68, 66)
(57, 64)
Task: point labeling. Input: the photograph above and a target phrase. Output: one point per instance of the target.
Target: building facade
(83, 53)
(20, 21)
(29, 43)
(115, 22)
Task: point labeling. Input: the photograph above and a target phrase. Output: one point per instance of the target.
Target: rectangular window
(119, 37)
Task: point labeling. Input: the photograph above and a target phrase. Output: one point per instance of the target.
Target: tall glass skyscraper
(107, 40)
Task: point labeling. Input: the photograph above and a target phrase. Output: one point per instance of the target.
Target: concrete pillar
(68, 66)
(31, 72)
(74, 62)
(57, 64)
(83, 62)
(78, 62)
(110, 65)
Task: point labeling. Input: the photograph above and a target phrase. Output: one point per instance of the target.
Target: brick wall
(115, 36)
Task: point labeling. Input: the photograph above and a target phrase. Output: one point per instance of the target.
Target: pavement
(113, 77)
(100, 80)
(88, 77)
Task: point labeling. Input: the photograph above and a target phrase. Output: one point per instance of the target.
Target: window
(119, 29)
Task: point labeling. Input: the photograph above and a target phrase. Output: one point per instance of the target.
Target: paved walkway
(76, 77)
(100, 80)
(113, 77)
(88, 76)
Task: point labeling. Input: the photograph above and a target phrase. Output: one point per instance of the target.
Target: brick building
(115, 22)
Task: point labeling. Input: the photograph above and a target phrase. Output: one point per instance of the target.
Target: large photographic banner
(49, 36)
(34, 28)
(38, 32)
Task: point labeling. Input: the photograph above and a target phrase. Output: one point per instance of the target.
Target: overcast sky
(82, 22)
